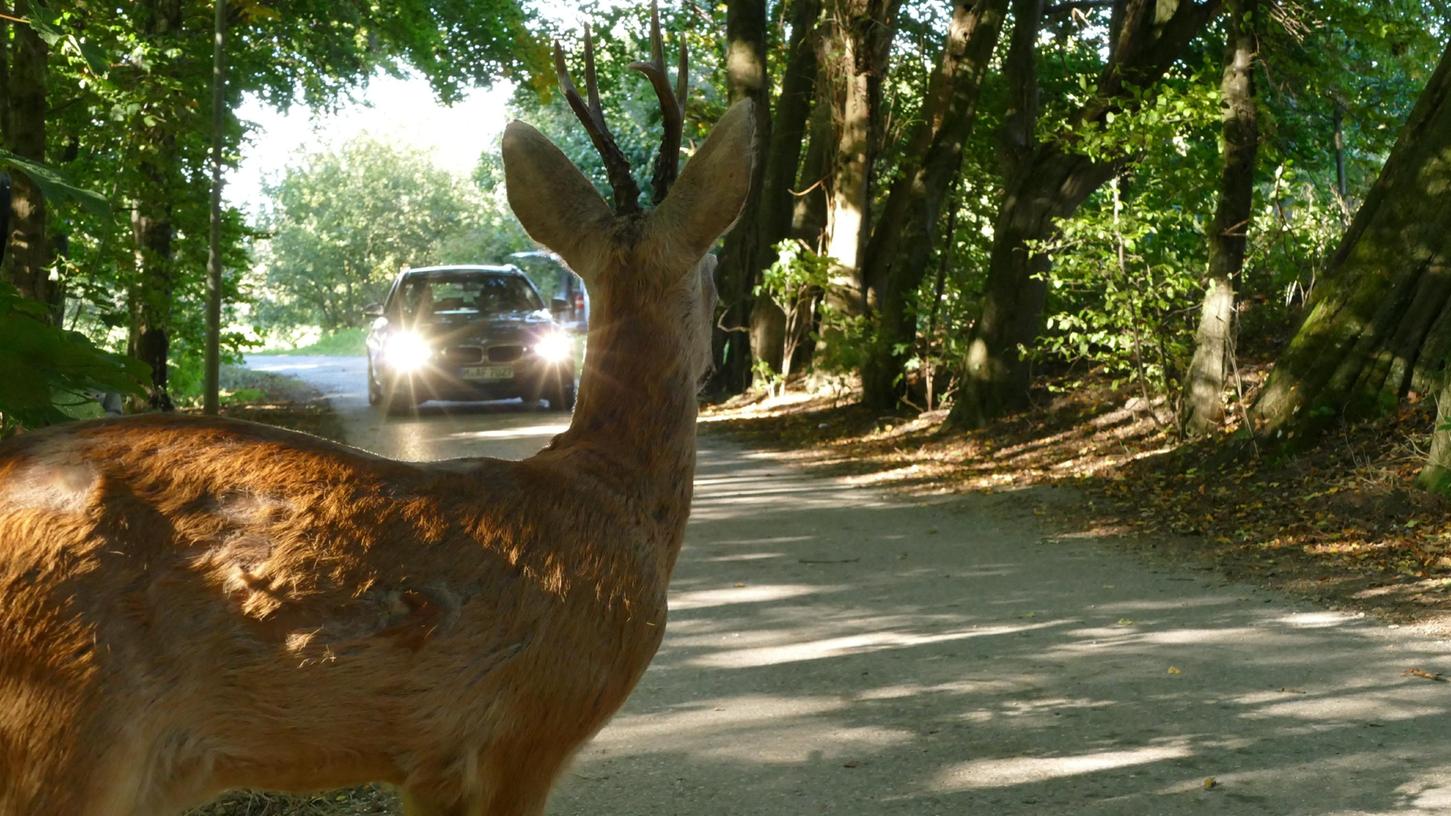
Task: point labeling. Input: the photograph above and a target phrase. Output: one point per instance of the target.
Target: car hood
(500, 327)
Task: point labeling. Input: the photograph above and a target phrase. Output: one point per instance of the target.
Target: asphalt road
(835, 651)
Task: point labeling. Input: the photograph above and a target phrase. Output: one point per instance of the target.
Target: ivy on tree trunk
(1379, 324)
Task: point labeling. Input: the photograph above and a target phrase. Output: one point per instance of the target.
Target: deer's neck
(637, 408)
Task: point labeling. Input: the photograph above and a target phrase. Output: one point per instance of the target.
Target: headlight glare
(555, 347)
(406, 351)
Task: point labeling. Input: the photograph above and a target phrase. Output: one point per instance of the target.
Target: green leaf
(54, 186)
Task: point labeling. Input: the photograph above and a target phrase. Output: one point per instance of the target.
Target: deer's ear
(710, 192)
(557, 205)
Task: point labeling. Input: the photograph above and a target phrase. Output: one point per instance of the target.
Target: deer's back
(297, 613)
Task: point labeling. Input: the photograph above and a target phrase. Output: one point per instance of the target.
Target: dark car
(467, 333)
(570, 302)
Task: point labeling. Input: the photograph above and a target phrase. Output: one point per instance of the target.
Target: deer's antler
(627, 193)
(672, 105)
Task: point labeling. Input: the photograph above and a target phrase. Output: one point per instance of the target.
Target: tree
(901, 244)
(1379, 325)
(212, 375)
(861, 33)
(1048, 179)
(28, 259)
(1203, 407)
(740, 261)
(344, 222)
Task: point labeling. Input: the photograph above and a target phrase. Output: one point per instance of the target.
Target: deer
(190, 605)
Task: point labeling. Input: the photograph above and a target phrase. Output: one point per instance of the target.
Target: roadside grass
(341, 343)
(1340, 524)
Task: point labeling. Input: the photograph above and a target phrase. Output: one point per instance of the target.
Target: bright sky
(402, 112)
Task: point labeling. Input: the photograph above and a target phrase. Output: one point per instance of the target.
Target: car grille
(463, 355)
(505, 354)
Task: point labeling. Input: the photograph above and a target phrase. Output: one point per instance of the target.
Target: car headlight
(406, 351)
(555, 347)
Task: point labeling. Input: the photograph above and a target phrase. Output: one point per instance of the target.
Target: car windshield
(424, 296)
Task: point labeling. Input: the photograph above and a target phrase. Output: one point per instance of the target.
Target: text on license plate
(502, 372)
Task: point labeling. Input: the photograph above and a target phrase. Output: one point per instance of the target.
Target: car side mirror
(372, 311)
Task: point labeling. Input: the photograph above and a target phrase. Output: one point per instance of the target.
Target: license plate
(488, 373)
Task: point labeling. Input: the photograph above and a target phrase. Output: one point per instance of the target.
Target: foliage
(341, 343)
(47, 370)
(794, 283)
(1127, 266)
(1125, 278)
(345, 221)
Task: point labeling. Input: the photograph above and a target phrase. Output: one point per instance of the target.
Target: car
(570, 302)
(468, 332)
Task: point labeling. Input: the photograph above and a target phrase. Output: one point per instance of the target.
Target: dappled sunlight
(701, 599)
(513, 433)
(787, 730)
(1348, 708)
(992, 773)
(847, 645)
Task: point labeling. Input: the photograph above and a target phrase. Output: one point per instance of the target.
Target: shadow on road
(829, 653)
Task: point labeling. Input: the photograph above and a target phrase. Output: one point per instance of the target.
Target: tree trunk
(740, 265)
(809, 199)
(783, 159)
(1214, 343)
(1047, 182)
(28, 259)
(1436, 475)
(862, 34)
(151, 224)
(4, 91)
(211, 389)
(1380, 321)
(902, 242)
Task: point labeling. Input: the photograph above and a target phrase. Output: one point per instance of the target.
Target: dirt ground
(1341, 524)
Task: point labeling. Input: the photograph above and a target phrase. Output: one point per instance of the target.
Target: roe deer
(191, 605)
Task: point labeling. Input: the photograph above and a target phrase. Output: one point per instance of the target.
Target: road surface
(833, 651)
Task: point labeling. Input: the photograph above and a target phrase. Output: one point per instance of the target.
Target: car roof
(492, 269)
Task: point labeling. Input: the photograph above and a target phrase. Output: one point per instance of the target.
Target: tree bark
(902, 242)
(783, 160)
(151, 224)
(739, 268)
(862, 33)
(809, 200)
(1436, 475)
(29, 256)
(1379, 323)
(1047, 183)
(211, 389)
(1203, 409)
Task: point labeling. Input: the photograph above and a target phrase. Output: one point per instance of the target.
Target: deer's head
(636, 262)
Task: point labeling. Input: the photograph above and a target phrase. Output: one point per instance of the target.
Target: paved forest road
(830, 651)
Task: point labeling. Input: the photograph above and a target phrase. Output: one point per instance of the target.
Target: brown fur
(191, 605)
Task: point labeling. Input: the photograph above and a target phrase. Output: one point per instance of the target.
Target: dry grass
(369, 800)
